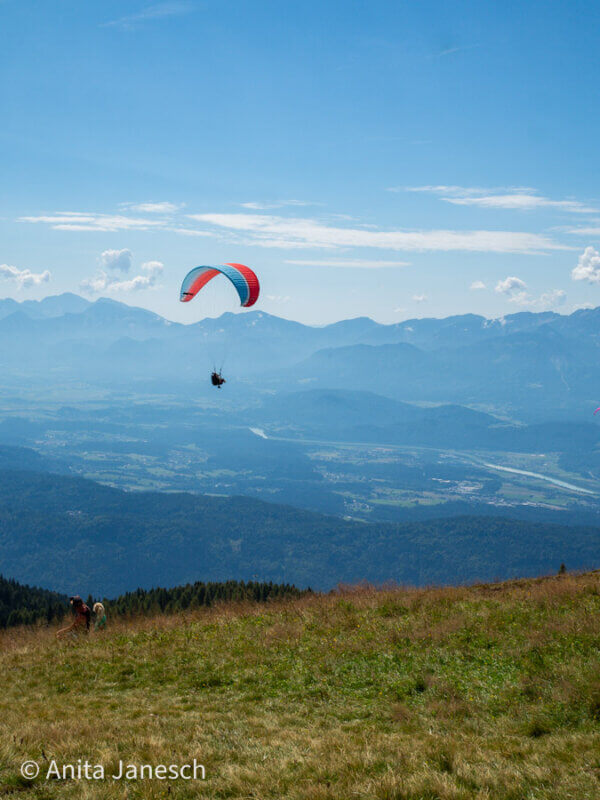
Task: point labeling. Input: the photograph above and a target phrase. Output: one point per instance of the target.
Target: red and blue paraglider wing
(243, 278)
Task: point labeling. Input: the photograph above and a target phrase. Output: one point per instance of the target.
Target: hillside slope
(456, 694)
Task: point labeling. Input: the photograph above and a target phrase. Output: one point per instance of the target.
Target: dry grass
(483, 692)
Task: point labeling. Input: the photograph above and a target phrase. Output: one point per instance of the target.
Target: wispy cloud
(521, 202)
(589, 231)
(420, 298)
(81, 221)
(298, 233)
(153, 12)
(516, 198)
(358, 263)
(287, 232)
(477, 286)
(450, 51)
(188, 231)
(24, 278)
(260, 206)
(154, 208)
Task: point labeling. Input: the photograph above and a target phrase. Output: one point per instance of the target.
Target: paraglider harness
(217, 379)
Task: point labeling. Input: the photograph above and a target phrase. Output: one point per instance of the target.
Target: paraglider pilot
(217, 379)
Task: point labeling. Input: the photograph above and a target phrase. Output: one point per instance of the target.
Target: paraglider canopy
(242, 277)
(597, 410)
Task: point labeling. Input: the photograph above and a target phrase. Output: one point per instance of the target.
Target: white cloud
(188, 232)
(521, 299)
(476, 285)
(521, 202)
(510, 285)
(157, 11)
(588, 266)
(79, 221)
(300, 233)
(286, 232)
(154, 208)
(119, 260)
(105, 280)
(521, 198)
(24, 278)
(96, 284)
(585, 231)
(151, 272)
(516, 291)
(552, 299)
(111, 223)
(273, 231)
(259, 206)
(420, 298)
(358, 263)
(437, 189)
(278, 298)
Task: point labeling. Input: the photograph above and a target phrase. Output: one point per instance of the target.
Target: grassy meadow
(490, 691)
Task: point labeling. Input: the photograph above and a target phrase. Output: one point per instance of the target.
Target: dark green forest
(25, 605)
(28, 605)
(197, 595)
(77, 536)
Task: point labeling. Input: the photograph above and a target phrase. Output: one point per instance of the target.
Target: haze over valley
(387, 425)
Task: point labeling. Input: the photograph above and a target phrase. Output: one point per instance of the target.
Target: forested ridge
(27, 605)
(199, 594)
(78, 536)
(24, 605)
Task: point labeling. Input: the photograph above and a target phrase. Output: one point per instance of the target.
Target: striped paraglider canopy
(242, 277)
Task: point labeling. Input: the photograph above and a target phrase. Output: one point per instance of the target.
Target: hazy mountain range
(527, 366)
(399, 431)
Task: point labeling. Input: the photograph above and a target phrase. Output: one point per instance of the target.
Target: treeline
(197, 595)
(26, 605)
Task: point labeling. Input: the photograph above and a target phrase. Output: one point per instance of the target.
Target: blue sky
(389, 159)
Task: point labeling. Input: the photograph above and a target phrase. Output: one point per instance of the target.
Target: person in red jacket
(82, 616)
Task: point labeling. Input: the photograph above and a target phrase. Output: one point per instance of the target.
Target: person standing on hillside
(100, 614)
(82, 616)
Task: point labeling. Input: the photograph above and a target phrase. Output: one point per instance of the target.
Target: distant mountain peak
(51, 306)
